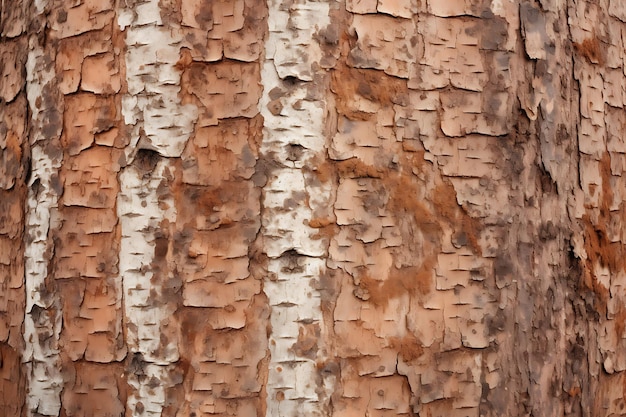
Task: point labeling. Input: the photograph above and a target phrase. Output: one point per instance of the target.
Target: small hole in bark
(36, 312)
(290, 81)
(146, 159)
(137, 365)
(36, 187)
(292, 262)
(294, 152)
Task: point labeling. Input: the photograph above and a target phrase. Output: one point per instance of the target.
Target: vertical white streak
(294, 302)
(294, 386)
(141, 213)
(40, 5)
(158, 121)
(152, 105)
(42, 320)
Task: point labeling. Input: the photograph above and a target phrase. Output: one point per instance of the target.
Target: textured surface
(321, 208)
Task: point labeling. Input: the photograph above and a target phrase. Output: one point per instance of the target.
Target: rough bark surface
(320, 208)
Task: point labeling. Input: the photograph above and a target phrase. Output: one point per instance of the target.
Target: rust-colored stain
(591, 50)
(352, 84)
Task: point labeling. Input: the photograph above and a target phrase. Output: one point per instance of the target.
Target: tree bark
(321, 208)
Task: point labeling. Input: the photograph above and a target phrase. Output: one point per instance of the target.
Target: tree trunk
(319, 208)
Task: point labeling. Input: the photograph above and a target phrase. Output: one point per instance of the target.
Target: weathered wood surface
(320, 208)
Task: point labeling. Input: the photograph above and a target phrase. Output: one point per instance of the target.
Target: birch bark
(297, 207)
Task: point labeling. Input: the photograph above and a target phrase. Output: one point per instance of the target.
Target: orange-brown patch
(574, 391)
(416, 281)
(319, 222)
(326, 232)
(185, 59)
(600, 250)
(13, 144)
(355, 168)
(349, 84)
(591, 49)
(102, 382)
(408, 347)
(445, 203)
(323, 169)
(620, 320)
(403, 199)
(597, 244)
(306, 345)
(607, 191)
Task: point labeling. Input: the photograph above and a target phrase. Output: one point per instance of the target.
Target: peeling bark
(360, 207)
(42, 322)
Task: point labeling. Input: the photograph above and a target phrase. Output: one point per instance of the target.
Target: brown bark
(360, 207)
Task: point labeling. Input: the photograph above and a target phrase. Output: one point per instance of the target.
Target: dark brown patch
(161, 246)
(146, 159)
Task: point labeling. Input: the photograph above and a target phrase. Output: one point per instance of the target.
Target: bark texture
(321, 208)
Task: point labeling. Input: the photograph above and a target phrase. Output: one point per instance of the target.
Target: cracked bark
(332, 208)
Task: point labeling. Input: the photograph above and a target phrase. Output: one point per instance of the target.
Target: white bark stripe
(42, 324)
(161, 123)
(294, 386)
(152, 105)
(140, 213)
(42, 321)
(145, 312)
